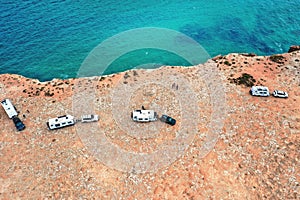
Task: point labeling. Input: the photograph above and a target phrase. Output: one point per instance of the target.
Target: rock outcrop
(236, 147)
(294, 48)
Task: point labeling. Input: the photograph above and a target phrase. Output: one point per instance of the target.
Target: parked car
(167, 119)
(89, 118)
(18, 123)
(280, 94)
(261, 91)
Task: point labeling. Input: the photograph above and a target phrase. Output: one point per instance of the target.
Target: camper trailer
(261, 91)
(12, 114)
(9, 108)
(60, 122)
(144, 115)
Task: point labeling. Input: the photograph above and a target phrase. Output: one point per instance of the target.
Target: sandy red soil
(254, 155)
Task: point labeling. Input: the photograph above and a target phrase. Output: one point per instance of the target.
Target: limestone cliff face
(226, 144)
(294, 48)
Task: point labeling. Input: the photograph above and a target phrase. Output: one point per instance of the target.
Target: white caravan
(261, 91)
(61, 122)
(144, 115)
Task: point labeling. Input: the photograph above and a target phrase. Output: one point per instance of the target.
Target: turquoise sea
(50, 39)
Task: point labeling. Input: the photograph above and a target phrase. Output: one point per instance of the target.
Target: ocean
(51, 39)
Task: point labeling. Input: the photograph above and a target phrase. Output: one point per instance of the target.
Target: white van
(60, 122)
(261, 91)
(144, 115)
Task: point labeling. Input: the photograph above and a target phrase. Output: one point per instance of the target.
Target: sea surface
(51, 39)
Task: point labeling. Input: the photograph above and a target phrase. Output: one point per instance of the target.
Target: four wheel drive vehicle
(18, 123)
(89, 118)
(280, 94)
(168, 120)
(261, 91)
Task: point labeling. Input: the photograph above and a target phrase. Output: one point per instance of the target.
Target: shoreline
(291, 49)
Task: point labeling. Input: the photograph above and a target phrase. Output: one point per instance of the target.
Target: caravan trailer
(144, 115)
(261, 91)
(60, 122)
(12, 114)
(9, 108)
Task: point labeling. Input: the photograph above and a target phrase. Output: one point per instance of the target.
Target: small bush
(227, 63)
(48, 94)
(245, 79)
(126, 75)
(276, 58)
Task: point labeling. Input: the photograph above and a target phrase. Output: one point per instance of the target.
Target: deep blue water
(50, 39)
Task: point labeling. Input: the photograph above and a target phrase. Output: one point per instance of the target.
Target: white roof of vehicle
(143, 114)
(9, 108)
(61, 119)
(280, 92)
(260, 87)
(87, 118)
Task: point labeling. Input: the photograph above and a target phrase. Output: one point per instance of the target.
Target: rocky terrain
(226, 144)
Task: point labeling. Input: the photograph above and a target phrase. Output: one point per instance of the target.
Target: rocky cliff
(226, 144)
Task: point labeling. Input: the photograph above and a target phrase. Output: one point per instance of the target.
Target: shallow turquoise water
(45, 40)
